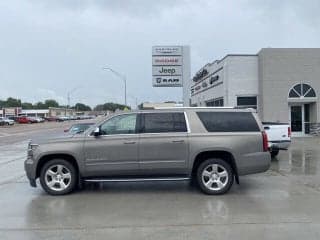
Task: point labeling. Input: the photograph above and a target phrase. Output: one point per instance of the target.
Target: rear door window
(228, 121)
(163, 122)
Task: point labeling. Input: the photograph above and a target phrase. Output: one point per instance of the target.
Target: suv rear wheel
(215, 176)
(58, 177)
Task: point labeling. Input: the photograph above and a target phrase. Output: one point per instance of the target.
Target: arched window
(302, 90)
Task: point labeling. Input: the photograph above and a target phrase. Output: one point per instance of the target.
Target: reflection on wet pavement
(302, 158)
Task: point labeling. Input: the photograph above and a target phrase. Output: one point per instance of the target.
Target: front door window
(122, 124)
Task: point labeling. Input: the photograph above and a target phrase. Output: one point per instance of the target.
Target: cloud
(58, 45)
(43, 94)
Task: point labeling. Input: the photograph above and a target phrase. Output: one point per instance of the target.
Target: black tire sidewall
(68, 165)
(221, 162)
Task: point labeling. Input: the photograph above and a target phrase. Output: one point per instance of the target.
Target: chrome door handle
(178, 141)
(132, 142)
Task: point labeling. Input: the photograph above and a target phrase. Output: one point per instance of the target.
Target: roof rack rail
(193, 107)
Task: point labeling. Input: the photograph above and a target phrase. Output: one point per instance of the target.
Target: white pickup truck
(279, 136)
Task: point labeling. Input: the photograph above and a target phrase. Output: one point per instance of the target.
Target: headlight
(31, 147)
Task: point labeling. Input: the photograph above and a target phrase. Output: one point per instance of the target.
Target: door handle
(178, 141)
(130, 142)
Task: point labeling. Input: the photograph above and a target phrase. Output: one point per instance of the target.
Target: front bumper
(30, 171)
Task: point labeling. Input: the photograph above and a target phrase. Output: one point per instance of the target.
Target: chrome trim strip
(137, 179)
(164, 161)
(103, 162)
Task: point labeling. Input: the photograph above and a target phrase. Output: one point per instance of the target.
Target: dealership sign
(167, 81)
(167, 66)
(166, 71)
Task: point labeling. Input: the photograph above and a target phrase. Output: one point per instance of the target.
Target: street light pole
(124, 79)
(69, 93)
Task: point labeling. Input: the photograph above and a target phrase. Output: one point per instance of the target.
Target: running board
(137, 179)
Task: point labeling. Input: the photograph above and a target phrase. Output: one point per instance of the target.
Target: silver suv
(212, 146)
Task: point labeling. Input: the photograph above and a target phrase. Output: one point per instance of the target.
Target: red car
(25, 119)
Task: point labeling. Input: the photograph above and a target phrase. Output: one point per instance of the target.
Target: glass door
(296, 118)
(306, 118)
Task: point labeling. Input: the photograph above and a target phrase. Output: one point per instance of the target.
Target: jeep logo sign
(167, 70)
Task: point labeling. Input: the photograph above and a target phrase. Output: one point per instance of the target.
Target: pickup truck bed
(279, 136)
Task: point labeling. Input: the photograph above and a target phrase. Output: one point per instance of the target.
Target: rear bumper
(279, 145)
(254, 163)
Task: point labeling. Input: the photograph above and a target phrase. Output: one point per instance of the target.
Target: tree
(40, 105)
(110, 107)
(13, 102)
(82, 107)
(27, 105)
(51, 103)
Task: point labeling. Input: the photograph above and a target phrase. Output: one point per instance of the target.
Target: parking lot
(282, 203)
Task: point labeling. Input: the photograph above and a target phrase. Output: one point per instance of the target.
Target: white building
(283, 84)
(230, 81)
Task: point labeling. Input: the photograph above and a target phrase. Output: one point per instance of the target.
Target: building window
(302, 90)
(217, 102)
(247, 102)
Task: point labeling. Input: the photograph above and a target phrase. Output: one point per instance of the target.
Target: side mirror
(96, 132)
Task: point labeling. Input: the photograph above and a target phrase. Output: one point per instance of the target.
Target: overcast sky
(50, 47)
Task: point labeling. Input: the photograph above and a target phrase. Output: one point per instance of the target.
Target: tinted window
(163, 122)
(228, 121)
(122, 124)
(218, 102)
(246, 101)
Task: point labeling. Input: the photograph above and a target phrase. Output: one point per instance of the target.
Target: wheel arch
(222, 154)
(68, 157)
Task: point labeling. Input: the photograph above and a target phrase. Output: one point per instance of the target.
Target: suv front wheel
(58, 177)
(215, 176)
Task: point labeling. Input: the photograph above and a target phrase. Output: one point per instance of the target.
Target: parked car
(50, 119)
(23, 119)
(279, 136)
(62, 118)
(26, 119)
(39, 119)
(6, 121)
(212, 146)
(78, 128)
(32, 119)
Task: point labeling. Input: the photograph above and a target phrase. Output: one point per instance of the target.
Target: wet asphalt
(282, 203)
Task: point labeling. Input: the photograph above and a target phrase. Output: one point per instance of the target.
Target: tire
(7, 124)
(218, 175)
(274, 153)
(58, 177)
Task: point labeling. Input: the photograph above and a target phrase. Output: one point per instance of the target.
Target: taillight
(289, 131)
(265, 141)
